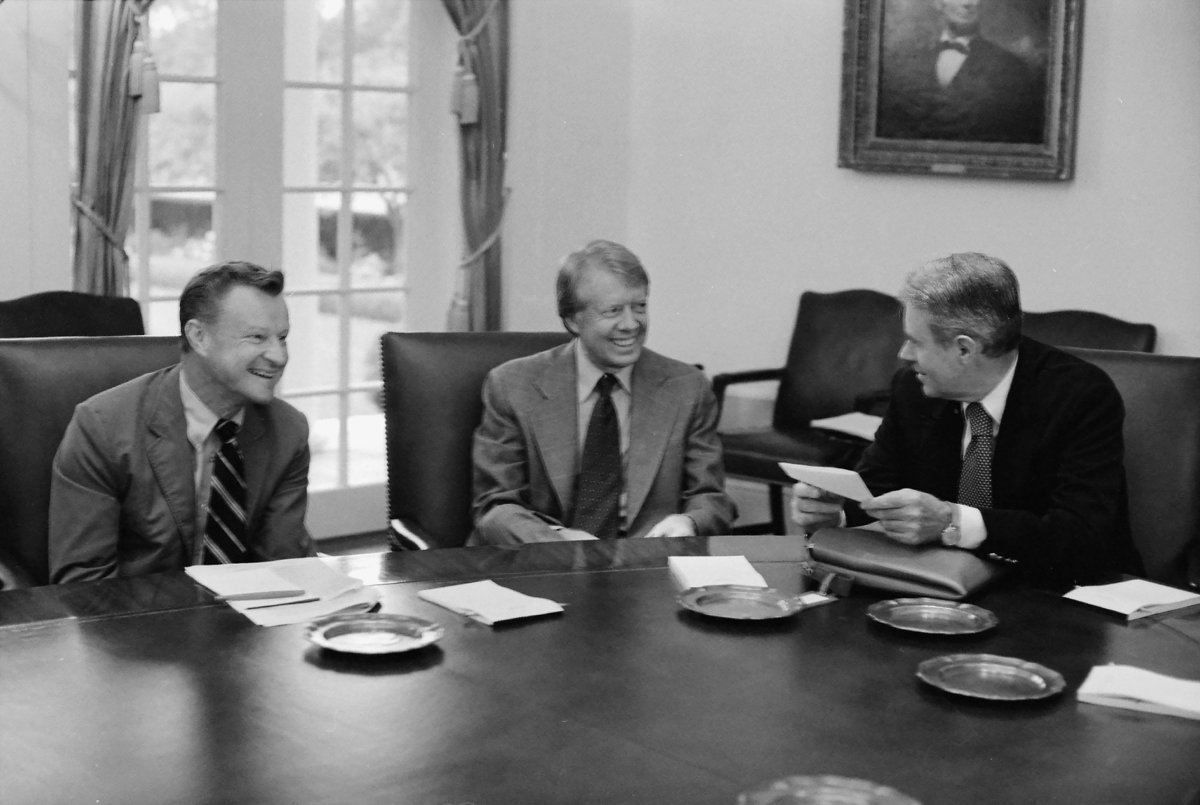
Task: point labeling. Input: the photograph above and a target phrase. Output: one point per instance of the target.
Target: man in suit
(598, 438)
(196, 463)
(992, 442)
(959, 86)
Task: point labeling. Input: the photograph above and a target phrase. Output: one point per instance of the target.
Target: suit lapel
(1018, 436)
(941, 448)
(256, 456)
(554, 424)
(651, 421)
(170, 455)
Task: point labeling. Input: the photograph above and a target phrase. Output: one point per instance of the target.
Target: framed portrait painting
(961, 87)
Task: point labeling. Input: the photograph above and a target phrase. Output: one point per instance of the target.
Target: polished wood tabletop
(149, 691)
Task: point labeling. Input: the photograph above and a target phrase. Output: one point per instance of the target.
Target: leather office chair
(1088, 329)
(69, 313)
(432, 386)
(41, 382)
(844, 345)
(1162, 457)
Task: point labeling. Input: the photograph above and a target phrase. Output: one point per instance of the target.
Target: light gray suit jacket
(526, 449)
(122, 490)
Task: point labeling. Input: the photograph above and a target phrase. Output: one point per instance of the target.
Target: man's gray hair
(968, 294)
(612, 257)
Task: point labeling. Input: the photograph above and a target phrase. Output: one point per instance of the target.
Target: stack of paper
(488, 602)
(708, 571)
(286, 590)
(1135, 598)
(1138, 689)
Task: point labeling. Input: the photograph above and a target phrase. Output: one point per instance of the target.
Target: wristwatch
(951, 533)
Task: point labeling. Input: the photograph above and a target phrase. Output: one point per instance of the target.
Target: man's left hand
(909, 516)
(673, 525)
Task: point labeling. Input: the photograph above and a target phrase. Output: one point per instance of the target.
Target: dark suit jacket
(123, 496)
(1058, 473)
(526, 449)
(994, 97)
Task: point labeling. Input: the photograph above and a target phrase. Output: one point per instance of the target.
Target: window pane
(313, 50)
(182, 136)
(378, 236)
(179, 242)
(368, 451)
(371, 315)
(183, 37)
(324, 439)
(380, 145)
(313, 344)
(163, 319)
(381, 42)
(310, 240)
(312, 137)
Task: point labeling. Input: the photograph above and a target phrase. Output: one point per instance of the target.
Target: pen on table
(284, 603)
(261, 594)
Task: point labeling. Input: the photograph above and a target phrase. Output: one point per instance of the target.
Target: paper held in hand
(1137, 689)
(1135, 598)
(488, 602)
(847, 483)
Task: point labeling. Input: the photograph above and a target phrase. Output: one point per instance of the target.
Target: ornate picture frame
(961, 87)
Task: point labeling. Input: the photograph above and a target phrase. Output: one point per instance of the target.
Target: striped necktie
(225, 531)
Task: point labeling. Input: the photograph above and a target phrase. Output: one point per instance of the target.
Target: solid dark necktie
(975, 482)
(598, 488)
(225, 531)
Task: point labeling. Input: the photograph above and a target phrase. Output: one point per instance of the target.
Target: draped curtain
(107, 141)
(481, 91)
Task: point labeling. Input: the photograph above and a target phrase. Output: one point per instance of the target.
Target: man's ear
(196, 335)
(966, 346)
(570, 325)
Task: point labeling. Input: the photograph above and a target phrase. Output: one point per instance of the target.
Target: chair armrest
(873, 402)
(721, 381)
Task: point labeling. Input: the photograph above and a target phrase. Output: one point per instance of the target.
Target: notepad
(488, 602)
(689, 572)
(1138, 689)
(1135, 598)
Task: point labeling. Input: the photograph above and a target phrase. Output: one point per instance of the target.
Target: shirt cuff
(972, 531)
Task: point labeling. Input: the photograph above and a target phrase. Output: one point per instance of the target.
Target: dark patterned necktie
(975, 483)
(225, 531)
(598, 488)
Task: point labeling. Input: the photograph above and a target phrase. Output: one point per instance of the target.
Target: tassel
(136, 62)
(468, 112)
(150, 97)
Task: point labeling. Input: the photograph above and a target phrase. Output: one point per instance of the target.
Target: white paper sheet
(854, 423)
(1137, 689)
(707, 571)
(1134, 598)
(488, 602)
(847, 483)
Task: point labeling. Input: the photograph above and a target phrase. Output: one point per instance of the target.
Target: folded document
(1135, 598)
(488, 602)
(1138, 689)
(708, 571)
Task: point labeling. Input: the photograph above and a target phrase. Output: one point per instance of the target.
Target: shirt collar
(588, 374)
(995, 400)
(199, 417)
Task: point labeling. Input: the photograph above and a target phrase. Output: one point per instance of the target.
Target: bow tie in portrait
(953, 44)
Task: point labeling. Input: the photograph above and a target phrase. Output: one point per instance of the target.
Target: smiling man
(196, 463)
(992, 442)
(600, 438)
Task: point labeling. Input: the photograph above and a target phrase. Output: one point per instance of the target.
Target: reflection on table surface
(146, 690)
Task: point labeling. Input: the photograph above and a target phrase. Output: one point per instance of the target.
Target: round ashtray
(373, 633)
(825, 789)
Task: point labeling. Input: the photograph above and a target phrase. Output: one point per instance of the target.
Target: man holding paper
(599, 438)
(992, 442)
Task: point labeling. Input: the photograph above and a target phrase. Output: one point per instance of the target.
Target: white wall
(704, 136)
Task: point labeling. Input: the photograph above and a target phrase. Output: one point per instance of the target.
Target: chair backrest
(1162, 457)
(432, 384)
(1088, 329)
(69, 313)
(41, 382)
(845, 344)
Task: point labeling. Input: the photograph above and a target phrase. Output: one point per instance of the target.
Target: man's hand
(573, 534)
(673, 525)
(910, 516)
(814, 508)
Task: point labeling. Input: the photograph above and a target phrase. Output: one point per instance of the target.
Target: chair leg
(775, 502)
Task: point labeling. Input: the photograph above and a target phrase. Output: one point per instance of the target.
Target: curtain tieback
(99, 223)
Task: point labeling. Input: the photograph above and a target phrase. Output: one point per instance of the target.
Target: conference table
(149, 690)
